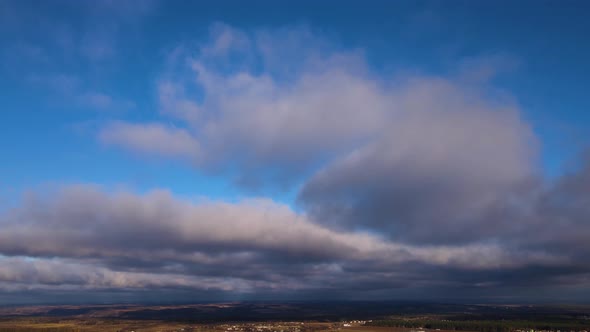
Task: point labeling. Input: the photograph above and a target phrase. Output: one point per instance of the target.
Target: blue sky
(306, 105)
(542, 42)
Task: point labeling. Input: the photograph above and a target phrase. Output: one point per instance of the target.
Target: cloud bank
(87, 238)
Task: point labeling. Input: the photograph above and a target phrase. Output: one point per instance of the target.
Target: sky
(184, 151)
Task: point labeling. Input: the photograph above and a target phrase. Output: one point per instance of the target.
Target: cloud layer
(406, 185)
(83, 237)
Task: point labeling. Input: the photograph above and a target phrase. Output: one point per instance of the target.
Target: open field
(18, 325)
(82, 325)
(118, 325)
(94, 325)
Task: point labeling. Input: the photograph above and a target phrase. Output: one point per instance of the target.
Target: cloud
(97, 49)
(400, 155)
(558, 215)
(417, 184)
(278, 118)
(173, 101)
(45, 45)
(258, 121)
(71, 90)
(104, 102)
(445, 164)
(84, 237)
(101, 224)
(63, 84)
(47, 274)
(151, 138)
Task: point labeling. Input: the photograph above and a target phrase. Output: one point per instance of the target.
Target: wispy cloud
(151, 138)
(71, 90)
(101, 101)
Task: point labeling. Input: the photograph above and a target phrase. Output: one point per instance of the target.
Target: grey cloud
(19, 274)
(559, 215)
(278, 124)
(81, 237)
(546, 226)
(98, 224)
(151, 138)
(446, 163)
(271, 122)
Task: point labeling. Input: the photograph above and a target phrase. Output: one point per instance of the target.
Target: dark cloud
(445, 167)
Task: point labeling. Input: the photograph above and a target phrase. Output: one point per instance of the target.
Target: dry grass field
(71, 325)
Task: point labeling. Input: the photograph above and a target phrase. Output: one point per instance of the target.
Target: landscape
(297, 317)
(295, 165)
